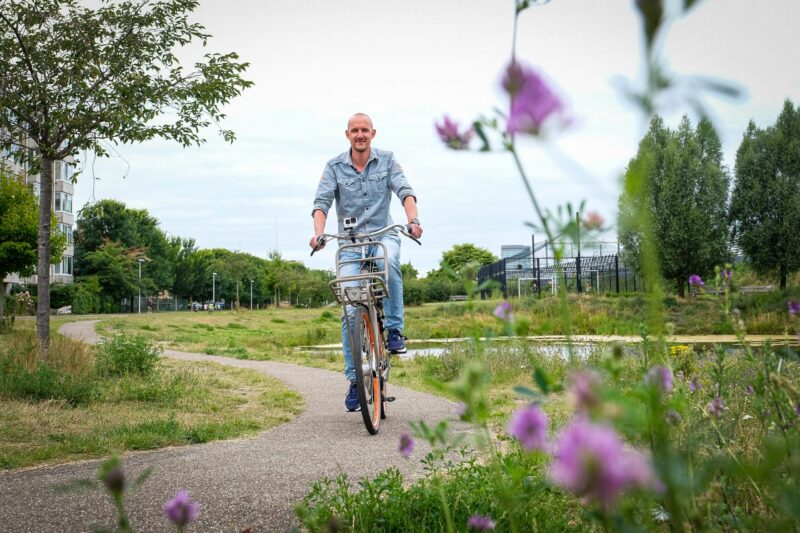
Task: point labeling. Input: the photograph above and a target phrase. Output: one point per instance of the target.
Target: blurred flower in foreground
(529, 426)
(461, 409)
(716, 407)
(583, 385)
(114, 478)
(181, 509)
(696, 281)
(592, 461)
(593, 221)
(797, 409)
(406, 445)
(750, 389)
(794, 307)
(694, 385)
(661, 377)
(503, 312)
(533, 101)
(480, 522)
(449, 134)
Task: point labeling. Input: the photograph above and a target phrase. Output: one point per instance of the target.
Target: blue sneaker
(396, 342)
(351, 402)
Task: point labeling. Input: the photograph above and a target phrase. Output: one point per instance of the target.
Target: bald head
(360, 116)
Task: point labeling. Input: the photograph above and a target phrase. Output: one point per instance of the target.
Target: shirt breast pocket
(346, 181)
(378, 176)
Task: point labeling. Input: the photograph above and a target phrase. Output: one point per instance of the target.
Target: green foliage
(61, 294)
(127, 354)
(86, 298)
(684, 191)
(765, 202)
(44, 383)
(458, 256)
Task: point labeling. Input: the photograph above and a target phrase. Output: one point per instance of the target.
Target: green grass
(177, 403)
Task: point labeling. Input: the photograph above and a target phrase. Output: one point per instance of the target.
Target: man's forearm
(410, 206)
(319, 222)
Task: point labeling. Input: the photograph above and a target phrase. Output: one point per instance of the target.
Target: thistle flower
(451, 136)
(406, 445)
(694, 385)
(503, 312)
(480, 523)
(593, 221)
(181, 509)
(592, 461)
(750, 389)
(533, 101)
(529, 426)
(583, 386)
(696, 281)
(794, 307)
(660, 377)
(716, 407)
(461, 409)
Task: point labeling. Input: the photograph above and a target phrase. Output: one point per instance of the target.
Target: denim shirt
(365, 195)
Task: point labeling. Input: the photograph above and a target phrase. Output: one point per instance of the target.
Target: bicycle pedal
(390, 398)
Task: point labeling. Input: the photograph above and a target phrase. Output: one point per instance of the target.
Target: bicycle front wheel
(365, 360)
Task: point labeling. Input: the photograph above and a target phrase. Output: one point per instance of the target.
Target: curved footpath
(245, 483)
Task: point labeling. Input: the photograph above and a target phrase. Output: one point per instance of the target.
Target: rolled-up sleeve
(326, 191)
(398, 182)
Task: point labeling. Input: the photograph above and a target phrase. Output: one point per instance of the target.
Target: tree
(408, 272)
(136, 231)
(453, 260)
(75, 77)
(765, 202)
(686, 194)
(18, 232)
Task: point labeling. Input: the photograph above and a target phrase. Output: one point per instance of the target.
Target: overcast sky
(406, 63)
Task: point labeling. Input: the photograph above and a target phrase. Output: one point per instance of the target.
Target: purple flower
(750, 389)
(533, 101)
(661, 377)
(583, 386)
(114, 479)
(673, 417)
(503, 312)
(696, 281)
(694, 385)
(794, 307)
(181, 509)
(716, 407)
(592, 461)
(529, 426)
(797, 409)
(406, 445)
(449, 134)
(480, 522)
(461, 409)
(727, 274)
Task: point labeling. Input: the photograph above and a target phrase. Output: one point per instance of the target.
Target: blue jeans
(392, 306)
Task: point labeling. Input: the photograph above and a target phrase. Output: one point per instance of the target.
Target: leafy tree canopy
(765, 202)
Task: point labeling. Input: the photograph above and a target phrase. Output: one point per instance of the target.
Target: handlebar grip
(320, 240)
(410, 236)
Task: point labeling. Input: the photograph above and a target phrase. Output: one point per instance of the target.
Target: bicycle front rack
(369, 286)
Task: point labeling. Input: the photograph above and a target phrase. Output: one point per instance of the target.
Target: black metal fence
(519, 275)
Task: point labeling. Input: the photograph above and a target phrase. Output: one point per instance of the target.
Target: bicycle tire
(366, 363)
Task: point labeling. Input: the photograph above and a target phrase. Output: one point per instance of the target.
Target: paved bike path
(251, 482)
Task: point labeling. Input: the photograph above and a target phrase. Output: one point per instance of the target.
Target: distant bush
(127, 354)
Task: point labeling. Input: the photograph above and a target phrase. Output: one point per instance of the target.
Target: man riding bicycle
(362, 181)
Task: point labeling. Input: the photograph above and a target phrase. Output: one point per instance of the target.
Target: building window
(63, 202)
(64, 267)
(62, 171)
(66, 229)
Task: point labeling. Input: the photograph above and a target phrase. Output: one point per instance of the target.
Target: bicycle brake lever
(408, 234)
(320, 240)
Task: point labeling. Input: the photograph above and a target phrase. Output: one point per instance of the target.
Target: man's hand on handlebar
(415, 230)
(317, 243)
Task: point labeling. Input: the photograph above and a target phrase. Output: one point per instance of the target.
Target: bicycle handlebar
(405, 229)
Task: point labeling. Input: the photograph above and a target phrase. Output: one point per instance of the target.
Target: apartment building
(63, 192)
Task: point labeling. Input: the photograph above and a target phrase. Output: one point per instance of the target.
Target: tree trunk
(43, 264)
(783, 277)
(4, 287)
(681, 287)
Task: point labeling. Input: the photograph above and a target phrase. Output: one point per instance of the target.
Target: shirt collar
(373, 154)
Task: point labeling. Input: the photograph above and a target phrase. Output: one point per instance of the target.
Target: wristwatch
(414, 221)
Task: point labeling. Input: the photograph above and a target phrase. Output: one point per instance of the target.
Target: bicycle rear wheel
(366, 362)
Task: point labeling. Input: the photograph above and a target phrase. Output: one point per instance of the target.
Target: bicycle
(366, 291)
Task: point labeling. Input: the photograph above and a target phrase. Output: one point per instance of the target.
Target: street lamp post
(141, 260)
(251, 294)
(214, 290)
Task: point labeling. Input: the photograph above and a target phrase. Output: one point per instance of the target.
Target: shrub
(127, 354)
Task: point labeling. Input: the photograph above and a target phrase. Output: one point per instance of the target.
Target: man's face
(360, 133)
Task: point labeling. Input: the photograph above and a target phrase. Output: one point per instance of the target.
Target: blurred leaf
(542, 379)
(525, 391)
(478, 126)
